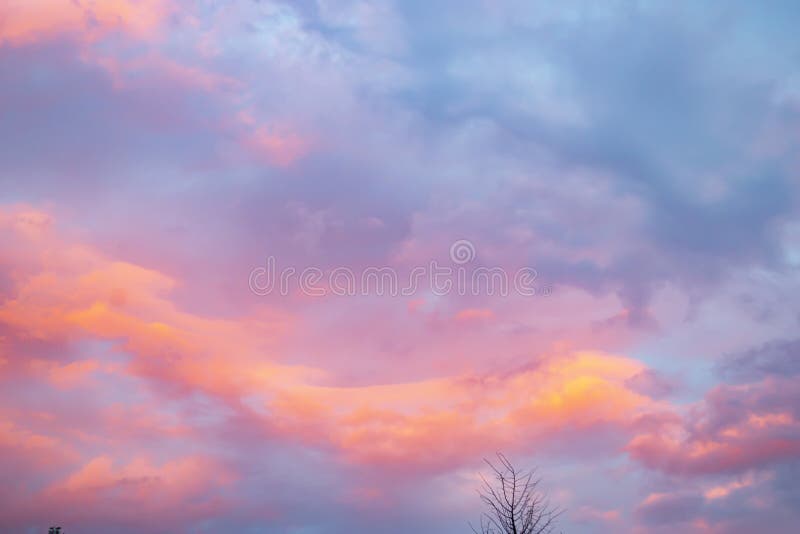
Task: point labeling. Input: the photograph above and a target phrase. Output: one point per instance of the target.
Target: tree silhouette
(514, 503)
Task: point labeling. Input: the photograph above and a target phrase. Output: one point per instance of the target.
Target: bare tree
(514, 503)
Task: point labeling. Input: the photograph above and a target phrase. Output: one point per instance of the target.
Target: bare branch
(514, 504)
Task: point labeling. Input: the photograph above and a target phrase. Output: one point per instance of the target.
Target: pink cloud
(32, 20)
(81, 294)
(474, 314)
(733, 429)
(274, 144)
(66, 291)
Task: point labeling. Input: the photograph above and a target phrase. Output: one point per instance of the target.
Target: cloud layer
(640, 156)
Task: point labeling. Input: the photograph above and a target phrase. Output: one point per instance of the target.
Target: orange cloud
(71, 291)
(24, 21)
(474, 314)
(77, 292)
(442, 422)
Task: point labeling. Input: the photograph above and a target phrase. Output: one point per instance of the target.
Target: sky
(219, 222)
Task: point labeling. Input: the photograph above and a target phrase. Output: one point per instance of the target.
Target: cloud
(638, 156)
(71, 293)
(131, 496)
(732, 429)
(665, 508)
(774, 359)
(25, 22)
(738, 439)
